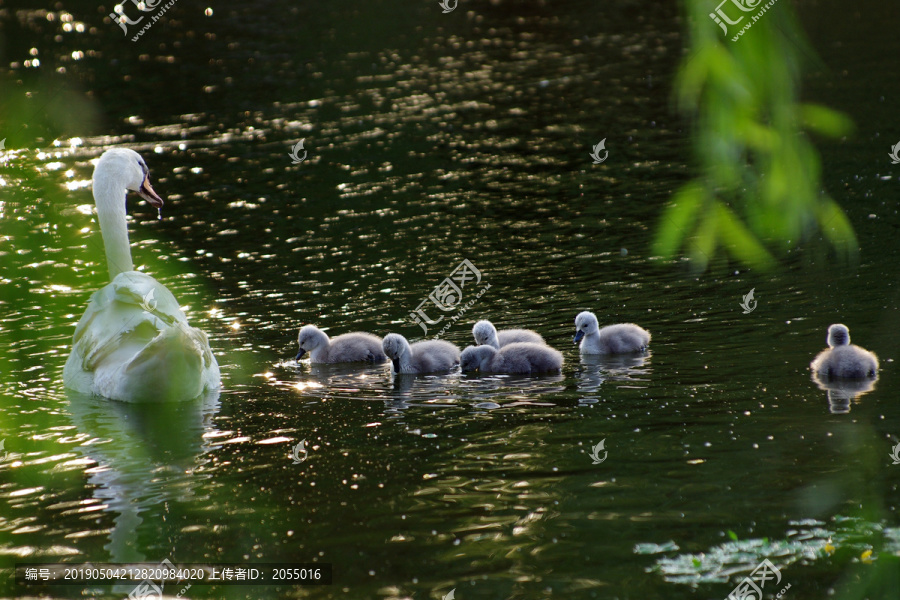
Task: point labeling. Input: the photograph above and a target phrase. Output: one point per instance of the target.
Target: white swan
(429, 356)
(134, 342)
(843, 360)
(622, 338)
(518, 357)
(349, 347)
(485, 333)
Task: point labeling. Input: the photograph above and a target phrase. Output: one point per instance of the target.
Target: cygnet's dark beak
(578, 335)
(396, 363)
(147, 193)
(300, 354)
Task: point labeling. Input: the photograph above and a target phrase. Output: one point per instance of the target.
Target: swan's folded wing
(200, 338)
(130, 310)
(142, 291)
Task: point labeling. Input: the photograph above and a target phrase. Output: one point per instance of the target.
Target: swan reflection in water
(402, 391)
(508, 391)
(147, 456)
(841, 392)
(474, 390)
(595, 369)
(333, 379)
(365, 382)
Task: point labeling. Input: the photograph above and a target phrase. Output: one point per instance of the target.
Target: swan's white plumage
(357, 346)
(133, 342)
(428, 356)
(843, 360)
(486, 334)
(518, 357)
(621, 338)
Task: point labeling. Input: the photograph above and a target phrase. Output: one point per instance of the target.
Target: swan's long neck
(485, 359)
(110, 199)
(320, 352)
(494, 340)
(403, 363)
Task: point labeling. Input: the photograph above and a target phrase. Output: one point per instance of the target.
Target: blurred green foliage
(758, 189)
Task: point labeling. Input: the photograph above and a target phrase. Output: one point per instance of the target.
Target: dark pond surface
(434, 138)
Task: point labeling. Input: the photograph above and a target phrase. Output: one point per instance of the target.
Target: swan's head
(838, 335)
(484, 332)
(473, 357)
(395, 346)
(310, 338)
(125, 169)
(585, 324)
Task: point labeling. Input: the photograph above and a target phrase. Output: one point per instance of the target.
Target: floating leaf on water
(656, 548)
(809, 542)
(487, 405)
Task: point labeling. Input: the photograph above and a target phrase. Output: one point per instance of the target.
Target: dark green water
(434, 138)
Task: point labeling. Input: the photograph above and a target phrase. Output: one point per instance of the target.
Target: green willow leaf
(702, 245)
(825, 121)
(740, 242)
(742, 98)
(837, 228)
(678, 220)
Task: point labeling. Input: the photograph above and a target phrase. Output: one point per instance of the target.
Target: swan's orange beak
(146, 192)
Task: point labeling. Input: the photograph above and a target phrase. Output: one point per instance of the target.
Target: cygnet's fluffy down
(486, 334)
(429, 356)
(622, 338)
(519, 357)
(843, 360)
(349, 347)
